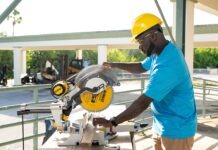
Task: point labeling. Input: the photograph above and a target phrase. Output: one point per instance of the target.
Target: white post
(174, 20)
(17, 65)
(23, 58)
(102, 54)
(189, 36)
(79, 54)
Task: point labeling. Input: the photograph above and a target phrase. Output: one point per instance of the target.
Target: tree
(91, 56)
(132, 55)
(205, 57)
(16, 19)
(6, 59)
(2, 34)
(36, 59)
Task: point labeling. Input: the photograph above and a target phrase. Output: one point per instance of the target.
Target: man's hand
(102, 122)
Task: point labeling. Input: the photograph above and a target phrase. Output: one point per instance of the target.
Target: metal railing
(206, 93)
(35, 99)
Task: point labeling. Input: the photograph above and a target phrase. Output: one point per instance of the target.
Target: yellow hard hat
(142, 23)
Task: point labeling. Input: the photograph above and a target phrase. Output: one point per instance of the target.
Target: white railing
(206, 93)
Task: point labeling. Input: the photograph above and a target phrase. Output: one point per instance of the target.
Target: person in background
(169, 92)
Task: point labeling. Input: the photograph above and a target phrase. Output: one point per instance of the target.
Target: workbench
(125, 140)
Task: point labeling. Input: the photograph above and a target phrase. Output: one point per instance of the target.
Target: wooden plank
(88, 134)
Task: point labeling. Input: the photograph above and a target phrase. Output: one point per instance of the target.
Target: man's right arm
(130, 67)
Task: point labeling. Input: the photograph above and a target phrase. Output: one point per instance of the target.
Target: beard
(150, 49)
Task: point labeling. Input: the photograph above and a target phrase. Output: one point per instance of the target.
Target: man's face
(145, 43)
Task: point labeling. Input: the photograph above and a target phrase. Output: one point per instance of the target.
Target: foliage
(16, 19)
(2, 34)
(6, 59)
(206, 57)
(36, 59)
(91, 56)
(116, 55)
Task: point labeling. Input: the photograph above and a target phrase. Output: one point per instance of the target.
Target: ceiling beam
(8, 10)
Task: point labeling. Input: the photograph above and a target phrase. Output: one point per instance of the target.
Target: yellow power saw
(91, 88)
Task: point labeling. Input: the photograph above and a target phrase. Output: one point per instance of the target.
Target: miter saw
(92, 89)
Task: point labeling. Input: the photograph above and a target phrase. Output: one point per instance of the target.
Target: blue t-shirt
(171, 89)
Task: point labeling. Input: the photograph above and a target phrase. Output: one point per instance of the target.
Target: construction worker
(169, 91)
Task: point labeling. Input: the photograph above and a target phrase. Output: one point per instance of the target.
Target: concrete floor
(205, 139)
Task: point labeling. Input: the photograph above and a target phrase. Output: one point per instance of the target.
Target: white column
(189, 36)
(174, 20)
(17, 65)
(79, 54)
(23, 58)
(102, 54)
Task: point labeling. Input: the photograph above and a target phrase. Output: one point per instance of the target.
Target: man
(169, 91)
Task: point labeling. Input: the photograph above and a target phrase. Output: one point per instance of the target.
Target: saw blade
(97, 102)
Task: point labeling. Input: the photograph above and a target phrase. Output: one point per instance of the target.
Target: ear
(153, 37)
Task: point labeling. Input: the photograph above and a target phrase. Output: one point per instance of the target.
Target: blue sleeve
(162, 81)
(146, 64)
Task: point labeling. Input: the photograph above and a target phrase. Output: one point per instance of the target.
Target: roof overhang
(205, 36)
(74, 44)
(210, 6)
